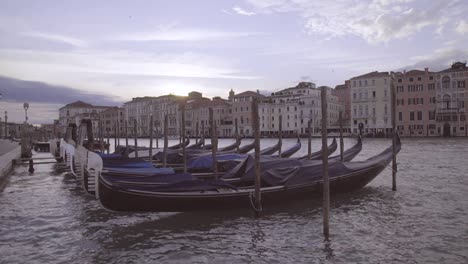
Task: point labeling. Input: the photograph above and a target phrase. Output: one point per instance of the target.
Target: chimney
(258, 91)
(426, 70)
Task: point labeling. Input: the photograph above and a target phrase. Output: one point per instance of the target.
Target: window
(411, 116)
(446, 82)
(373, 82)
(431, 78)
(400, 80)
(354, 96)
(373, 94)
(431, 115)
(411, 79)
(419, 78)
(409, 101)
(373, 111)
(446, 99)
(400, 116)
(461, 84)
(385, 92)
(419, 115)
(385, 109)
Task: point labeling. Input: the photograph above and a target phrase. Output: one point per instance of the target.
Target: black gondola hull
(127, 200)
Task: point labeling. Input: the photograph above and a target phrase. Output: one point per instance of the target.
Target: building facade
(112, 122)
(371, 103)
(296, 106)
(74, 112)
(343, 92)
(415, 103)
(451, 100)
(242, 110)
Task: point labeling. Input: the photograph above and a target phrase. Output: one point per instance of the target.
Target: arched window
(446, 82)
(446, 100)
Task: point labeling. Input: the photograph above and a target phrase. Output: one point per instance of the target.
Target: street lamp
(26, 106)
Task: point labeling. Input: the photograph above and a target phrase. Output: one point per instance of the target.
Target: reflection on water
(46, 217)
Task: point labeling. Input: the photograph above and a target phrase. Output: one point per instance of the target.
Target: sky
(107, 52)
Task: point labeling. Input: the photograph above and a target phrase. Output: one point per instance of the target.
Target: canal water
(46, 217)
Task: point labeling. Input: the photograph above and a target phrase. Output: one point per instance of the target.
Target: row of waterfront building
(427, 104)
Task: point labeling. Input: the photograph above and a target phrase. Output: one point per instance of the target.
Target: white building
(296, 106)
(371, 103)
(73, 113)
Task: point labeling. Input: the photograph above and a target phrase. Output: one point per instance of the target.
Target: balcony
(449, 111)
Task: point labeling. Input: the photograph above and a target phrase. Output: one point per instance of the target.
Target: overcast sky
(116, 50)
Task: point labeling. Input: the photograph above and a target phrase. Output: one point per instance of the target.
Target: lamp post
(26, 106)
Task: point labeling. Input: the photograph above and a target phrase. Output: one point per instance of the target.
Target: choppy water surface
(46, 218)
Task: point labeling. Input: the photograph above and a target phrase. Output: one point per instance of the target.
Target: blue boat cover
(206, 161)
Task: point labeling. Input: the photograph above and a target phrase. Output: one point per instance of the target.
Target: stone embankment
(9, 151)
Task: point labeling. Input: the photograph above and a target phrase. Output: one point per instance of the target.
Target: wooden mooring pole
(184, 154)
(115, 136)
(214, 143)
(237, 134)
(280, 134)
(256, 131)
(165, 142)
(326, 180)
(135, 132)
(341, 136)
(157, 133)
(108, 139)
(203, 132)
(126, 137)
(394, 138)
(118, 134)
(151, 139)
(309, 146)
(196, 133)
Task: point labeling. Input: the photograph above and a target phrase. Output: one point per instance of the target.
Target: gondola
(286, 184)
(318, 155)
(197, 145)
(272, 149)
(231, 147)
(289, 152)
(246, 148)
(180, 145)
(225, 149)
(140, 172)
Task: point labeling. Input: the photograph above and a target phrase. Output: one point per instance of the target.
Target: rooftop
(371, 75)
(457, 66)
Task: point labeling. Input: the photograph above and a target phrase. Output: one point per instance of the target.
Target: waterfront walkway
(8, 152)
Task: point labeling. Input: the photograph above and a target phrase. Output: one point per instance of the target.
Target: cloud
(118, 63)
(373, 20)
(29, 91)
(462, 27)
(242, 12)
(438, 60)
(57, 38)
(185, 35)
